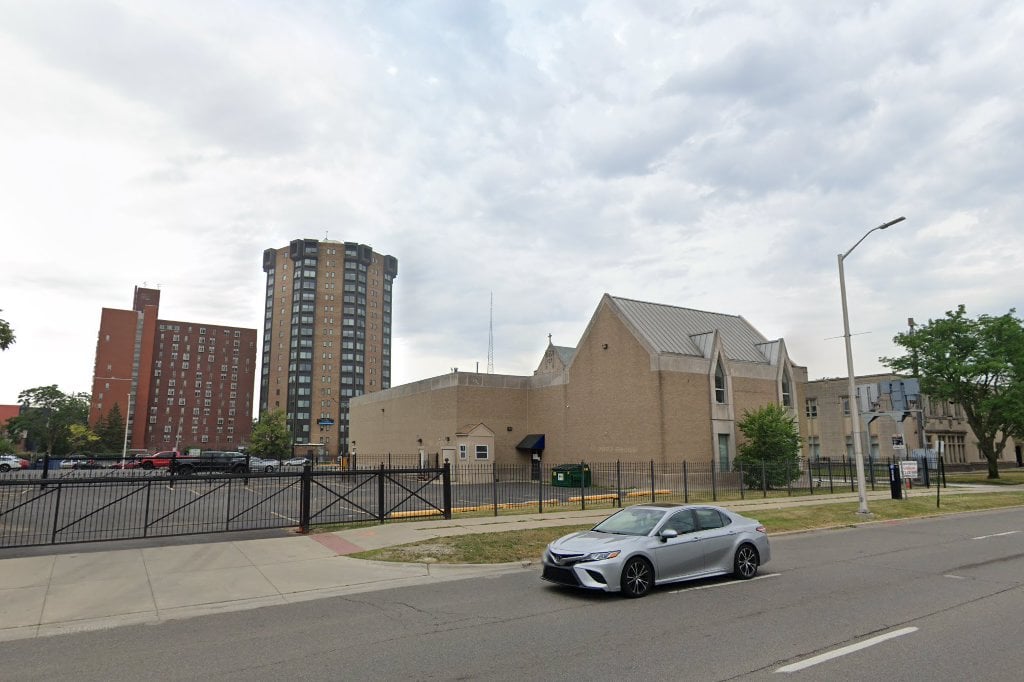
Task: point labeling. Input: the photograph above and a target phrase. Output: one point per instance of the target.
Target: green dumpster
(570, 475)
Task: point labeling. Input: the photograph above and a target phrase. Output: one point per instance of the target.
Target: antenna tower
(490, 340)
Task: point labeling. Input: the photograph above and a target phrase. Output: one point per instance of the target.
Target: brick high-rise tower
(326, 336)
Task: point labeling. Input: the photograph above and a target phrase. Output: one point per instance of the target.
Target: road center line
(995, 535)
(794, 667)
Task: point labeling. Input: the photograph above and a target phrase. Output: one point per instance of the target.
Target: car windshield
(631, 521)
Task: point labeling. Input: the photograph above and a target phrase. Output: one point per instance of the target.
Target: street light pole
(858, 452)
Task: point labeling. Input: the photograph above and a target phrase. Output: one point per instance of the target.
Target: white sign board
(908, 469)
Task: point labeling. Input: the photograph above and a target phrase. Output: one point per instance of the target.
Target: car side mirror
(667, 534)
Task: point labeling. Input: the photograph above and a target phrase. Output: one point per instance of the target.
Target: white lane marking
(954, 577)
(733, 582)
(794, 667)
(995, 535)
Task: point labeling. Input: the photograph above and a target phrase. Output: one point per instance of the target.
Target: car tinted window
(682, 522)
(631, 521)
(711, 518)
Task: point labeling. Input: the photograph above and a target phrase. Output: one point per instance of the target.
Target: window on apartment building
(846, 405)
(481, 452)
(814, 447)
(720, 394)
(811, 407)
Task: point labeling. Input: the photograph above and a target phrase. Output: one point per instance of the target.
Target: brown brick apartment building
(828, 428)
(646, 381)
(327, 336)
(189, 384)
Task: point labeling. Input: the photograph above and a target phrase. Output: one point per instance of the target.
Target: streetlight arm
(880, 227)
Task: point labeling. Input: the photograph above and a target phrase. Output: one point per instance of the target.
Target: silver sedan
(654, 544)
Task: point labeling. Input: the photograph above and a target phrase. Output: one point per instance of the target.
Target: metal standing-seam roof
(668, 329)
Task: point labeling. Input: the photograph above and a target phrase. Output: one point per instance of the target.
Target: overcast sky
(711, 155)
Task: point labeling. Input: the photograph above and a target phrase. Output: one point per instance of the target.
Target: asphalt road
(936, 599)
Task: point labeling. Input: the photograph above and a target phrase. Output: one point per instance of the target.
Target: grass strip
(529, 544)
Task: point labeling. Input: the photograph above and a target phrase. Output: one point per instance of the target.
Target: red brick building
(188, 384)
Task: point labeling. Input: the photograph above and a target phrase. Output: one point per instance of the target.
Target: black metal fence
(519, 488)
(82, 505)
(118, 505)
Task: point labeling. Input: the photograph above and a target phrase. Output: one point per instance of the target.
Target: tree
(270, 436)
(81, 438)
(7, 445)
(49, 416)
(6, 334)
(977, 363)
(770, 455)
(110, 430)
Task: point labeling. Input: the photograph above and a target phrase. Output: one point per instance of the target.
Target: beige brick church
(646, 381)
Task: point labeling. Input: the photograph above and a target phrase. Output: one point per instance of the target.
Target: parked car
(296, 462)
(159, 460)
(79, 462)
(212, 461)
(654, 544)
(12, 463)
(260, 464)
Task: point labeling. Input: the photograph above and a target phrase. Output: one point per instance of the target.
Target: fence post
(380, 492)
(447, 485)
(540, 487)
(583, 487)
(927, 478)
(227, 507)
(56, 514)
(305, 488)
(686, 485)
(831, 483)
(494, 493)
(653, 499)
(714, 487)
(743, 494)
(145, 520)
(850, 475)
(764, 479)
(171, 468)
(618, 484)
(810, 477)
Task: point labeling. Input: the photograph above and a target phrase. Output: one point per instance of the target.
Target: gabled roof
(565, 353)
(685, 331)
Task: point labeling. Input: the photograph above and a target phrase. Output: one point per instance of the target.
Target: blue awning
(535, 441)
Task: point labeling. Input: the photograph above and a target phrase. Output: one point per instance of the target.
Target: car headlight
(601, 556)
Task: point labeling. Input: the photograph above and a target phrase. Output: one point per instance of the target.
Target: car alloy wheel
(637, 577)
(5, 467)
(746, 562)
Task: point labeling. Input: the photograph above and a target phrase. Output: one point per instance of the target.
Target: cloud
(710, 155)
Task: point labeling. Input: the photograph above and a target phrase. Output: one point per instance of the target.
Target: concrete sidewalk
(61, 593)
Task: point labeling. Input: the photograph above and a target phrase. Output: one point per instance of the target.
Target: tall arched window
(787, 389)
(720, 394)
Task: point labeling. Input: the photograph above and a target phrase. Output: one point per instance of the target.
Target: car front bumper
(591, 575)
